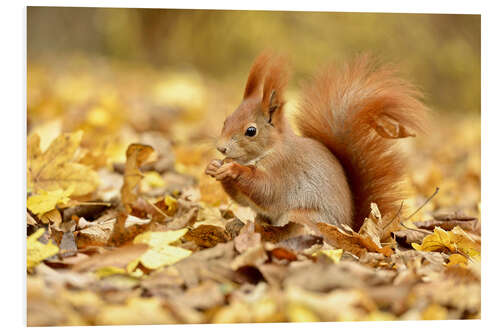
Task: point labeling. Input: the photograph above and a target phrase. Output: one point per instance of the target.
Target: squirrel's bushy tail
(357, 111)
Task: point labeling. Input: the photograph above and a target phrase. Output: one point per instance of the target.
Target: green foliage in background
(440, 53)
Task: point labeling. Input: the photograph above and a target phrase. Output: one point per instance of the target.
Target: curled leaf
(137, 154)
(456, 241)
(352, 241)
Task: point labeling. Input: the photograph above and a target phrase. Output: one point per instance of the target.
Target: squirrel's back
(357, 112)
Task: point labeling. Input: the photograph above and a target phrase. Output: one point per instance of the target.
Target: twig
(157, 209)
(422, 206)
(394, 217)
(415, 212)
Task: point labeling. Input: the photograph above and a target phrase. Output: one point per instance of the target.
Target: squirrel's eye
(251, 131)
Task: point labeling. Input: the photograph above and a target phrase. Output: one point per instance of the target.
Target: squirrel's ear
(273, 106)
(256, 74)
(274, 85)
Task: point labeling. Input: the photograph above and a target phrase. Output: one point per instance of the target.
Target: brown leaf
(406, 237)
(213, 263)
(253, 256)
(353, 242)
(372, 227)
(318, 276)
(233, 227)
(274, 234)
(185, 220)
(119, 257)
(247, 238)
(282, 253)
(137, 154)
(301, 243)
(207, 235)
(469, 224)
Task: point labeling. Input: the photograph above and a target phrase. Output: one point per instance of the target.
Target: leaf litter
(124, 228)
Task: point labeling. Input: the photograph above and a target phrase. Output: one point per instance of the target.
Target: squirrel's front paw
(212, 167)
(228, 171)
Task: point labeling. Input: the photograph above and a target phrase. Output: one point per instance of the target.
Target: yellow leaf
(48, 131)
(380, 316)
(456, 241)
(334, 255)
(56, 169)
(457, 259)
(435, 312)
(36, 251)
(153, 179)
(53, 216)
(108, 271)
(47, 200)
(135, 311)
(171, 204)
(299, 313)
(160, 253)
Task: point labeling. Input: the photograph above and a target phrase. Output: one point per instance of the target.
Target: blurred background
(117, 73)
(441, 53)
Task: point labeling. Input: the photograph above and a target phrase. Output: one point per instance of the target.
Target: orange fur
(338, 110)
(256, 74)
(338, 166)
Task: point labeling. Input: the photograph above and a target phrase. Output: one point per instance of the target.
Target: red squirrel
(338, 165)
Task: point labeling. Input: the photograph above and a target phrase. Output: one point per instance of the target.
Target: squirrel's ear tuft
(256, 75)
(274, 86)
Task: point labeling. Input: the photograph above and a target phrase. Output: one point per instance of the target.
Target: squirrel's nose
(222, 149)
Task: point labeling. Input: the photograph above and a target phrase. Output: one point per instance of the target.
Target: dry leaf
(137, 154)
(334, 255)
(373, 226)
(353, 242)
(36, 251)
(55, 168)
(408, 236)
(247, 238)
(153, 179)
(136, 311)
(301, 243)
(46, 201)
(456, 241)
(160, 253)
(118, 258)
(467, 224)
(207, 235)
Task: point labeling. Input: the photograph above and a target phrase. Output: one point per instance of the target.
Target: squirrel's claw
(212, 167)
